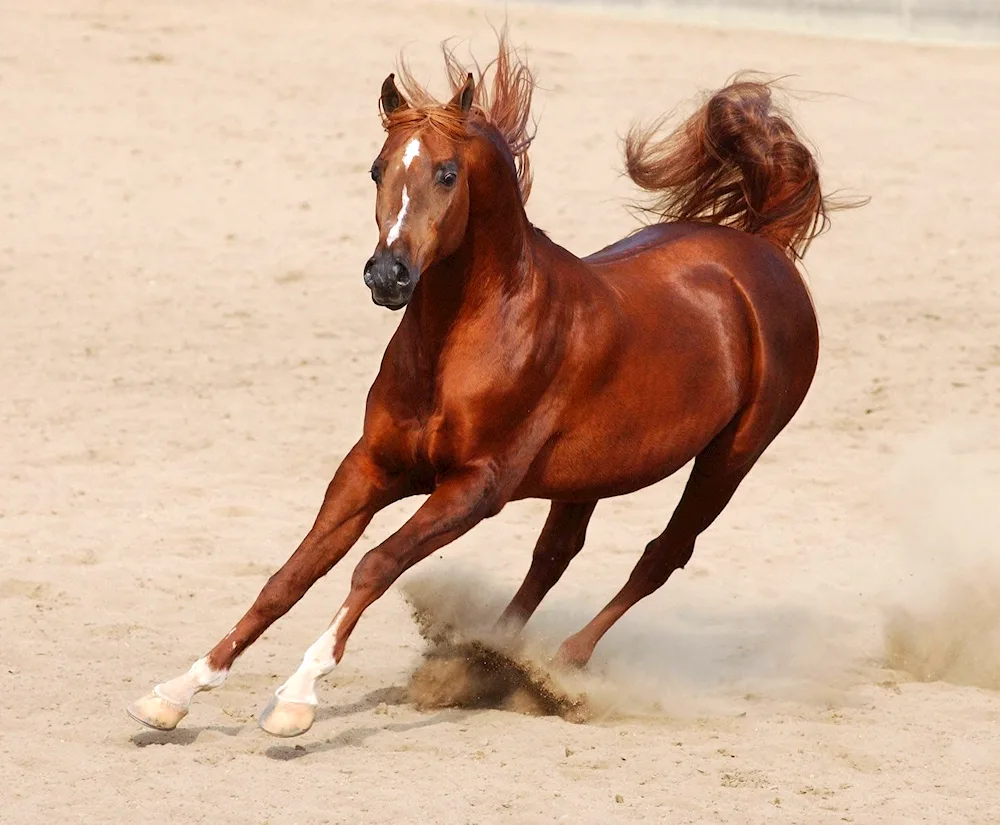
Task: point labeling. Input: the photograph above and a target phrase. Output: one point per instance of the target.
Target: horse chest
(452, 435)
(467, 407)
(433, 445)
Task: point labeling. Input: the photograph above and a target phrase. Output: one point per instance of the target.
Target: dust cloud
(944, 623)
(930, 612)
(470, 664)
(693, 667)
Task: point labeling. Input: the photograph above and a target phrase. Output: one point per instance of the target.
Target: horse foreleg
(359, 489)
(561, 539)
(456, 505)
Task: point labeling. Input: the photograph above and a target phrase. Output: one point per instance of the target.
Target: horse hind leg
(717, 472)
(561, 539)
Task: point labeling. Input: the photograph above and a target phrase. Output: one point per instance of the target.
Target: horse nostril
(401, 274)
(369, 280)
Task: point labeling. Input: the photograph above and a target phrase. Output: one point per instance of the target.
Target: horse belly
(621, 442)
(610, 460)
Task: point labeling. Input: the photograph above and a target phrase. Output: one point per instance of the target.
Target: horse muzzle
(391, 279)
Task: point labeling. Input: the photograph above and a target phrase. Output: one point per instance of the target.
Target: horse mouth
(394, 303)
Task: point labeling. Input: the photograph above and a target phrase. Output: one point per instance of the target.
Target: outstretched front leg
(359, 489)
(458, 503)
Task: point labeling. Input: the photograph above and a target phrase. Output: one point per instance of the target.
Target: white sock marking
(181, 691)
(317, 662)
(412, 150)
(390, 239)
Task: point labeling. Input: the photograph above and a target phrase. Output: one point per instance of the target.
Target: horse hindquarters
(785, 355)
(717, 472)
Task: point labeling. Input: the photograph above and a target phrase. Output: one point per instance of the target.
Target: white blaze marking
(317, 662)
(412, 151)
(181, 691)
(393, 235)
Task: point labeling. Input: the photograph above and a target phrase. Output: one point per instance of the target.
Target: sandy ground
(186, 346)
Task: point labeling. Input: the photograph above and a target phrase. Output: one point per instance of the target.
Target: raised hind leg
(561, 539)
(717, 472)
(359, 489)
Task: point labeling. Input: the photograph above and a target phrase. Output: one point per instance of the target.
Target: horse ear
(391, 99)
(464, 96)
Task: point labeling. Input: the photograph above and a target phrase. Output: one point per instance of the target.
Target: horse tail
(737, 161)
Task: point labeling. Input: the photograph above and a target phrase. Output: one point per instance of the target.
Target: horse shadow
(180, 736)
(353, 737)
(357, 736)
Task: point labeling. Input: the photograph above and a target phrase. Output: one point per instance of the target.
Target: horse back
(768, 282)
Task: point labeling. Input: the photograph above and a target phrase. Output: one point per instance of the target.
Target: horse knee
(273, 597)
(659, 561)
(555, 559)
(684, 556)
(375, 572)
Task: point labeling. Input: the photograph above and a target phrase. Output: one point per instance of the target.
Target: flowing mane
(503, 103)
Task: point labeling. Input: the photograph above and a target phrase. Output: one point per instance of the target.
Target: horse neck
(491, 266)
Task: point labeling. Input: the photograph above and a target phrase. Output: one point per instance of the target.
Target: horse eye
(447, 177)
(376, 174)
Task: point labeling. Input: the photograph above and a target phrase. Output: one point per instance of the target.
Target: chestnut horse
(519, 370)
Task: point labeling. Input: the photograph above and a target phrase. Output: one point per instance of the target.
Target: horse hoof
(281, 718)
(568, 660)
(156, 712)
